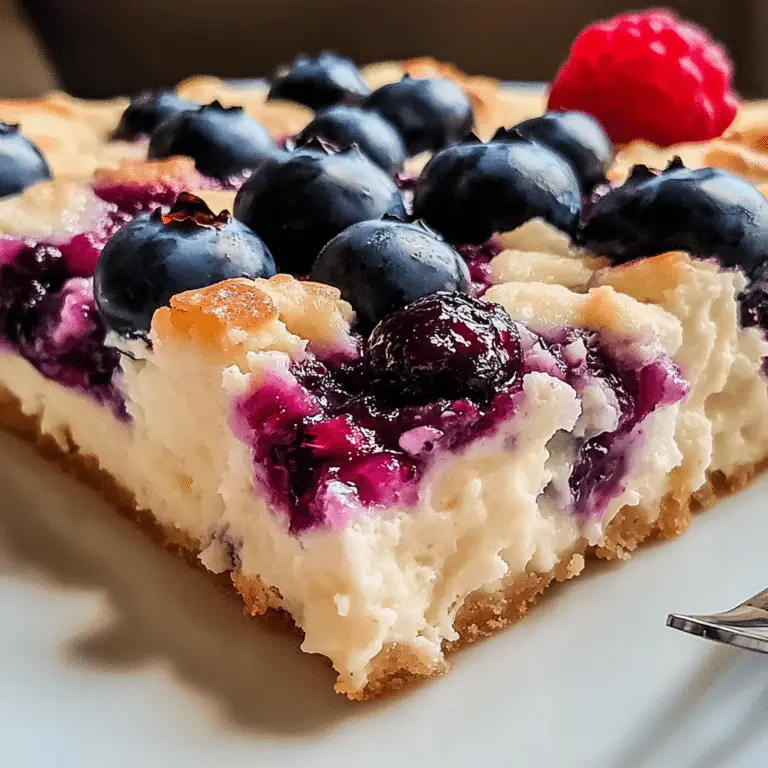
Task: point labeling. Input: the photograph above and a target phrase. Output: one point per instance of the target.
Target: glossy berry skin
(222, 141)
(320, 81)
(706, 212)
(429, 114)
(579, 138)
(21, 162)
(471, 190)
(648, 76)
(447, 345)
(147, 110)
(298, 201)
(380, 266)
(156, 256)
(343, 126)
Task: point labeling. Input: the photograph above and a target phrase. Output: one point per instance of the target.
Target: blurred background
(99, 48)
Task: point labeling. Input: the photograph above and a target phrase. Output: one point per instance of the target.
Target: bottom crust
(481, 615)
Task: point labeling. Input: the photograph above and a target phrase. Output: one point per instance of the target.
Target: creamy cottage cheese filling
(253, 422)
(396, 570)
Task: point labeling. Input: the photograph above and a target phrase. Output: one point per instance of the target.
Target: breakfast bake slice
(395, 497)
(404, 437)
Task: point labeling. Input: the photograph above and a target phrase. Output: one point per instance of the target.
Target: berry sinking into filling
(320, 81)
(49, 318)
(380, 266)
(332, 441)
(578, 137)
(444, 345)
(48, 314)
(648, 76)
(21, 162)
(471, 190)
(429, 113)
(147, 110)
(298, 201)
(706, 212)
(343, 126)
(158, 255)
(223, 141)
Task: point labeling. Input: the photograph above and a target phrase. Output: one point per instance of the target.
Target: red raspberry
(648, 76)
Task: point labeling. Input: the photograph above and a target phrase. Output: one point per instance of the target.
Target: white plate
(113, 653)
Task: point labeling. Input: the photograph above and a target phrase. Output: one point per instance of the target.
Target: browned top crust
(206, 315)
(173, 171)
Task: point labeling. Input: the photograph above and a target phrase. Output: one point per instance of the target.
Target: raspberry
(648, 76)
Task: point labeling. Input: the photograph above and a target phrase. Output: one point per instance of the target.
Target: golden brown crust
(207, 315)
(482, 614)
(175, 171)
(647, 279)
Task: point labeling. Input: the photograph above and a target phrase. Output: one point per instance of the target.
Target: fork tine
(745, 626)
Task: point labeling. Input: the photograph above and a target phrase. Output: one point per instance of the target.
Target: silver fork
(745, 626)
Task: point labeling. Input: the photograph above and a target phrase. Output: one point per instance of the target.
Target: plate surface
(114, 653)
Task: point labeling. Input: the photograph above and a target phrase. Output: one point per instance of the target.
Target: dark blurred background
(105, 47)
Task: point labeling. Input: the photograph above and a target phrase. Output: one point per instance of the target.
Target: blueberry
(430, 114)
(343, 126)
(380, 266)
(298, 201)
(320, 81)
(156, 256)
(147, 110)
(21, 162)
(447, 345)
(471, 190)
(37, 272)
(575, 135)
(706, 212)
(222, 141)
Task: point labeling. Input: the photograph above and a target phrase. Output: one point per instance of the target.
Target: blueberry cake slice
(379, 370)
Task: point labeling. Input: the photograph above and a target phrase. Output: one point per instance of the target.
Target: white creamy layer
(397, 577)
(723, 423)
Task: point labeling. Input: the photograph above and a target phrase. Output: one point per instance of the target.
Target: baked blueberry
(298, 201)
(21, 162)
(707, 212)
(754, 300)
(343, 126)
(380, 266)
(447, 345)
(147, 110)
(429, 113)
(471, 190)
(575, 135)
(223, 141)
(319, 81)
(158, 255)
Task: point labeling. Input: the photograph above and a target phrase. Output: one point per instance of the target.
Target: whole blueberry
(380, 266)
(706, 212)
(147, 110)
(223, 141)
(471, 190)
(319, 81)
(578, 137)
(298, 201)
(21, 162)
(156, 256)
(343, 126)
(430, 113)
(447, 345)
